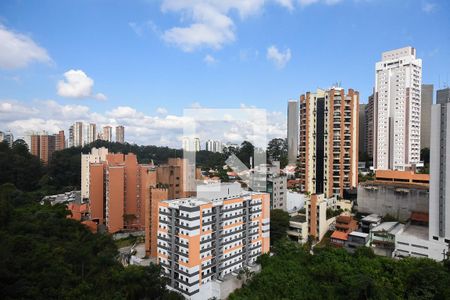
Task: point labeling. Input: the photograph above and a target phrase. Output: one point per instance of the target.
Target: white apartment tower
(91, 133)
(107, 133)
(440, 168)
(78, 139)
(398, 80)
(191, 144)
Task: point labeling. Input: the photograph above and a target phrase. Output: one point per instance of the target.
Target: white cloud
(141, 28)
(279, 58)
(428, 7)
(209, 59)
(141, 128)
(77, 85)
(209, 22)
(289, 4)
(161, 111)
(18, 50)
(304, 3)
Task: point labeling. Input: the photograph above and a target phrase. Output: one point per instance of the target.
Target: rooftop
(298, 218)
(339, 235)
(415, 231)
(359, 234)
(391, 227)
(372, 218)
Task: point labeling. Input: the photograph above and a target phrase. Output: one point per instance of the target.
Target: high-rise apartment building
(439, 226)
(43, 145)
(213, 146)
(209, 145)
(425, 115)
(362, 146)
(78, 137)
(96, 156)
(369, 127)
(91, 133)
(397, 111)
(191, 144)
(292, 131)
(70, 140)
(107, 133)
(328, 148)
(60, 141)
(212, 236)
(9, 138)
(118, 191)
(120, 134)
(174, 175)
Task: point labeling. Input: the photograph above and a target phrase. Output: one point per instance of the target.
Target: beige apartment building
(328, 148)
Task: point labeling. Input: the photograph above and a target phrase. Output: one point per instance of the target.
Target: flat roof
(374, 218)
(416, 231)
(298, 218)
(359, 234)
(391, 227)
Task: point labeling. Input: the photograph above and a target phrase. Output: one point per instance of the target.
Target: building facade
(369, 127)
(292, 131)
(277, 188)
(439, 227)
(397, 111)
(328, 149)
(97, 156)
(118, 189)
(204, 239)
(107, 133)
(362, 146)
(316, 213)
(78, 134)
(425, 115)
(43, 145)
(120, 134)
(91, 133)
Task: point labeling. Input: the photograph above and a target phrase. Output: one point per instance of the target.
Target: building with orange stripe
(212, 236)
(328, 148)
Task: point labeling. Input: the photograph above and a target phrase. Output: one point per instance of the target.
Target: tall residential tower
(292, 131)
(397, 103)
(328, 150)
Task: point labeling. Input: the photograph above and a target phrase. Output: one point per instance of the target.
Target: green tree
(279, 223)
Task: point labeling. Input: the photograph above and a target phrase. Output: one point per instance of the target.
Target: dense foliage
(19, 167)
(45, 255)
(293, 273)
(279, 223)
(277, 150)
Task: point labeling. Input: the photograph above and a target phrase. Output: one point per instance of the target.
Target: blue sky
(154, 58)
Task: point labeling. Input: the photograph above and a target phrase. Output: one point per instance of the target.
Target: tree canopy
(293, 273)
(279, 223)
(45, 255)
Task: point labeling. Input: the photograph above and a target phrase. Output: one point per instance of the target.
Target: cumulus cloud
(279, 58)
(304, 3)
(77, 85)
(161, 111)
(141, 128)
(209, 21)
(289, 4)
(209, 59)
(18, 50)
